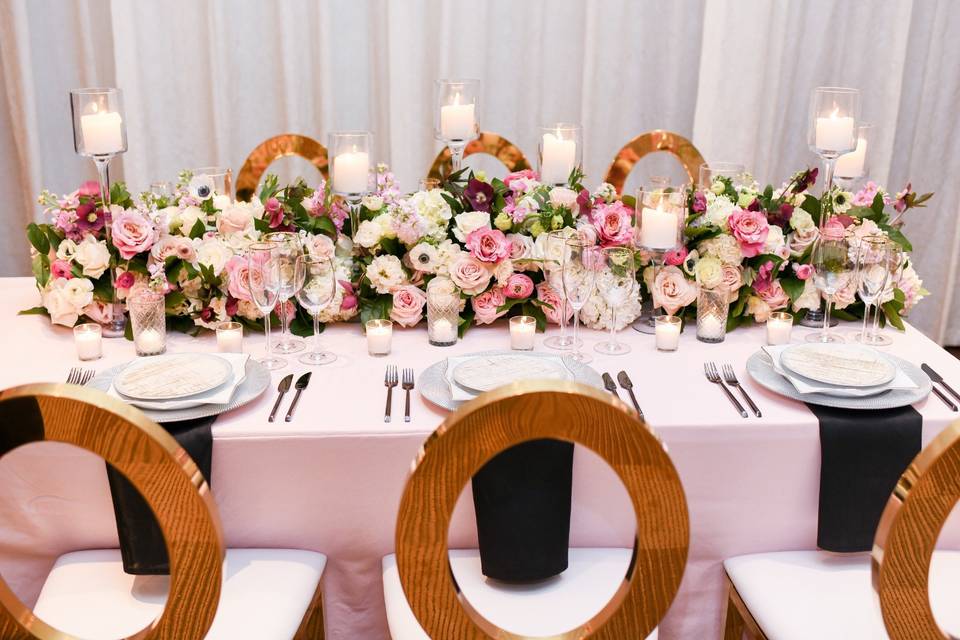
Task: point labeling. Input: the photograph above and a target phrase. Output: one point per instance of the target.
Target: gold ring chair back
(651, 142)
(287, 144)
(156, 465)
(528, 411)
(907, 534)
(491, 143)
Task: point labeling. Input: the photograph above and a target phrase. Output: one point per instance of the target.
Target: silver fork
(710, 369)
(407, 386)
(79, 376)
(731, 379)
(389, 381)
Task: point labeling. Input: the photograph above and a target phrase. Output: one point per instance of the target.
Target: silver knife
(627, 384)
(282, 390)
(610, 385)
(302, 383)
(936, 377)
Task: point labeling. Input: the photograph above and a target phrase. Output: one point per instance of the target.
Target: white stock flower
(93, 256)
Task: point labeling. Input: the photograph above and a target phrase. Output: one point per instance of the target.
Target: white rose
(186, 219)
(234, 218)
(551, 251)
(221, 202)
(709, 271)
(468, 222)
(249, 310)
(809, 299)
(606, 191)
(65, 299)
(368, 234)
(212, 252)
(775, 243)
(801, 220)
(385, 273)
(93, 256)
(372, 202)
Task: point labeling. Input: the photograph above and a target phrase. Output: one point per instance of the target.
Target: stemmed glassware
(350, 169)
(285, 256)
(319, 278)
(616, 277)
(219, 179)
(579, 280)
(709, 172)
(457, 115)
(556, 249)
(879, 259)
(833, 263)
(659, 222)
(261, 282)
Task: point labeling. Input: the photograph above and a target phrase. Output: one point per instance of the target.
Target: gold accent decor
(518, 413)
(491, 143)
(650, 142)
(737, 619)
(287, 144)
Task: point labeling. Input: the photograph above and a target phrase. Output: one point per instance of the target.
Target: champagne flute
(615, 280)
(579, 263)
(871, 276)
(319, 287)
(285, 254)
(553, 273)
(261, 280)
(833, 269)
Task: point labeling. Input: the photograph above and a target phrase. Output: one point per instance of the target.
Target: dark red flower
(207, 314)
(699, 202)
(231, 306)
(90, 218)
(584, 202)
(806, 180)
(125, 280)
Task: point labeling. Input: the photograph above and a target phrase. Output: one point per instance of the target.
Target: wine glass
(871, 275)
(579, 273)
(261, 279)
(833, 263)
(285, 255)
(893, 260)
(319, 278)
(615, 280)
(555, 249)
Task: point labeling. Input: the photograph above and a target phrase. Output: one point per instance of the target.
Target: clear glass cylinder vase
(712, 310)
(149, 322)
(443, 312)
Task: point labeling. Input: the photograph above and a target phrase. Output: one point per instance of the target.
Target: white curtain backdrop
(205, 81)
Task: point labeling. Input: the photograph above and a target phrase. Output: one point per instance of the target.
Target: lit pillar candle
(667, 330)
(102, 133)
(850, 165)
(379, 337)
(834, 133)
(350, 172)
(458, 121)
(779, 326)
(88, 340)
(230, 337)
(559, 156)
(659, 229)
(523, 330)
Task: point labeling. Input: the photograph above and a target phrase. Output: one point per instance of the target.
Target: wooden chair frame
(651, 142)
(491, 143)
(287, 144)
(528, 411)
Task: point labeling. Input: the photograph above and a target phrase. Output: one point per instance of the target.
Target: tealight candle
(559, 157)
(230, 337)
(149, 342)
(658, 229)
(350, 171)
(523, 330)
(102, 132)
(779, 325)
(88, 338)
(458, 121)
(710, 327)
(379, 337)
(667, 330)
(443, 331)
(834, 133)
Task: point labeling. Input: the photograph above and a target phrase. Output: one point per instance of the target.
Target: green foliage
(40, 266)
(198, 229)
(812, 206)
(897, 236)
(271, 185)
(376, 308)
(792, 286)
(33, 311)
(38, 238)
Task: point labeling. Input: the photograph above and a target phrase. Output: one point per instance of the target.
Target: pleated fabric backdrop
(204, 82)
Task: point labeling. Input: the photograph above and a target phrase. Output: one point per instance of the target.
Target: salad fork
(710, 370)
(731, 379)
(80, 376)
(407, 386)
(389, 381)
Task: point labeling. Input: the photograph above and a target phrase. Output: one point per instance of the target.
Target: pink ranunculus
(238, 271)
(834, 229)
(526, 175)
(613, 223)
(803, 271)
(89, 189)
(61, 269)
(349, 301)
(750, 228)
(672, 290)
(518, 286)
(470, 274)
(489, 245)
(548, 295)
(675, 257)
(132, 233)
(125, 280)
(486, 304)
(408, 302)
(775, 296)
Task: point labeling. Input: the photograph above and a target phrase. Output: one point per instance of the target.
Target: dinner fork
(710, 369)
(79, 376)
(407, 386)
(389, 381)
(731, 379)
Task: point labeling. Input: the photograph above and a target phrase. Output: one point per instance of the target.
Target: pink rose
(99, 312)
(408, 302)
(834, 229)
(526, 175)
(236, 218)
(470, 274)
(613, 223)
(132, 233)
(238, 272)
(61, 269)
(489, 245)
(125, 280)
(672, 290)
(486, 304)
(732, 280)
(518, 286)
(675, 257)
(750, 228)
(775, 296)
(803, 271)
(587, 234)
(349, 301)
(548, 295)
(564, 197)
(521, 246)
(174, 246)
(319, 246)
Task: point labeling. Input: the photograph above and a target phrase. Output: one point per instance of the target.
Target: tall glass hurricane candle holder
(149, 322)
(457, 115)
(709, 172)
(560, 152)
(443, 312)
(99, 133)
(712, 310)
(350, 169)
(853, 166)
(659, 220)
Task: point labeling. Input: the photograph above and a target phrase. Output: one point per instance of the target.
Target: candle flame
(836, 110)
(456, 98)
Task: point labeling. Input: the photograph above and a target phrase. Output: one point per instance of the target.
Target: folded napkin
(218, 395)
(459, 394)
(805, 385)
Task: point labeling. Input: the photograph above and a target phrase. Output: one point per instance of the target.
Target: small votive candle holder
(230, 337)
(149, 322)
(379, 337)
(443, 312)
(523, 331)
(667, 329)
(88, 338)
(779, 326)
(712, 310)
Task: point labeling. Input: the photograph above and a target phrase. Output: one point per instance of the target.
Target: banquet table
(331, 479)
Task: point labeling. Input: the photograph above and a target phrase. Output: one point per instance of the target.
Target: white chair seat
(542, 609)
(265, 594)
(798, 595)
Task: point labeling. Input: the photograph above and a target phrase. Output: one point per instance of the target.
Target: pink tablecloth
(331, 480)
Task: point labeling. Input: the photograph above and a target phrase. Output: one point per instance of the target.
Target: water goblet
(319, 278)
(579, 277)
(615, 280)
(288, 249)
(893, 260)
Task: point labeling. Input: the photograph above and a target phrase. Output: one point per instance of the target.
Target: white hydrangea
(724, 246)
(447, 252)
(596, 313)
(433, 210)
(800, 220)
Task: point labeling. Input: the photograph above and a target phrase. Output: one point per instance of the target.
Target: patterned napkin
(805, 385)
(219, 395)
(459, 394)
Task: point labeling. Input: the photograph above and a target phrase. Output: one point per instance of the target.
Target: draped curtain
(205, 81)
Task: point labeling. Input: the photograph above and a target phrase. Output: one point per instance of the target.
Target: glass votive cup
(523, 331)
(149, 322)
(667, 329)
(379, 337)
(88, 338)
(712, 310)
(443, 312)
(779, 326)
(230, 337)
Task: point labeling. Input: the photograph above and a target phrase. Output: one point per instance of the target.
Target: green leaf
(892, 313)
(531, 309)
(33, 311)
(466, 321)
(509, 304)
(843, 314)
(173, 300)
(792, 286)
(102, 289)
(897, 236)
(262, 225)
(325, 225)
(877, 205)
(377, 308)
(38, 238)
(41, 269)
(198, 229)
(52, 236)
(812, 206)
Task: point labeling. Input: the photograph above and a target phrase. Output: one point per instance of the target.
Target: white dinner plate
(172, 376)
(845, 365)
(484, 373)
